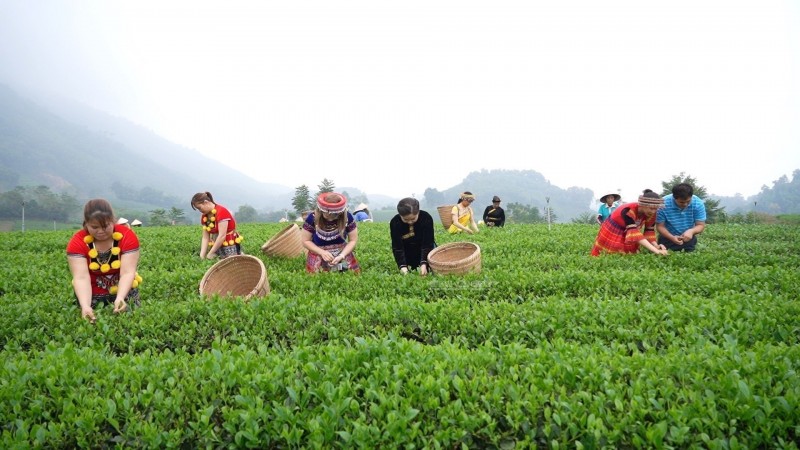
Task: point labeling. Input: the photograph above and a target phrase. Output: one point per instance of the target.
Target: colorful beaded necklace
(111, 262)
(209, 220)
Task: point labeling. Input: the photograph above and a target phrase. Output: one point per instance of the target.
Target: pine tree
(301, 200)
(326, 186)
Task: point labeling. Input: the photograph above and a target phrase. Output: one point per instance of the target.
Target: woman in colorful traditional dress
(103, 257)
(330, 235)
(608, 203)
(411, 231)
(219, 228)
(630, 227)
(463, 216)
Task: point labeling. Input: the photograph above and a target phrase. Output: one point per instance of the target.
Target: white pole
(548, 213)
(23, 216)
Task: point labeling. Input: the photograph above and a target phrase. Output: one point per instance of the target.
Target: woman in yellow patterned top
(463, 216)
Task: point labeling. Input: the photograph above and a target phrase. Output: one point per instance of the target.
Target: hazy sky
(395, 97)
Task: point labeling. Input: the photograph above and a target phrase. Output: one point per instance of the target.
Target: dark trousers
(687, 246)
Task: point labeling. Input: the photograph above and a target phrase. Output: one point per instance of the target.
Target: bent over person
(103, 257)
(682, 219)
(411, 231)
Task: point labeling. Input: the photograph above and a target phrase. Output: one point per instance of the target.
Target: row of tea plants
(546, 347)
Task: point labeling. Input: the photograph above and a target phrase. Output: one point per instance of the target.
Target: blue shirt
(605, 211)
(679, 220)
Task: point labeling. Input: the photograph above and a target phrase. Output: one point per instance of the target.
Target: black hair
(682, 191)
(408, 205)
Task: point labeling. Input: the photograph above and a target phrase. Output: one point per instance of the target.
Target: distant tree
(713, 210)
(326, 186)
(355, 201)
(302, 199)
(433, 198)
(587, 217)
(159, 217)
(519, 213)
(176, 216)
(246, 214)
(783, 197)
(346, 196)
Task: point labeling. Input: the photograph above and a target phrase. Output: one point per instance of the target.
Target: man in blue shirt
(682, 219)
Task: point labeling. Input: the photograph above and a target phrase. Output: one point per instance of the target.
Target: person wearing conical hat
(362, 214)
(608, 203)
(124, 222)
(463, 216)
(330, 234)
(493, 215)
(630, 227)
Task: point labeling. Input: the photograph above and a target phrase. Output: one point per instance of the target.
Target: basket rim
(237, 259)
(286, 242)
(463, 262)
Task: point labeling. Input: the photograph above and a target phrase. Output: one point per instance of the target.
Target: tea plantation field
(546, 347)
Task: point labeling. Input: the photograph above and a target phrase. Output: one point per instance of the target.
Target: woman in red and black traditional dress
(330, 235)
(219, 228)
(102, 258)
(622, 232)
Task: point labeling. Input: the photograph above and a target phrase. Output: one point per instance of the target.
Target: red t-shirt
(101, 282)
(222, 215)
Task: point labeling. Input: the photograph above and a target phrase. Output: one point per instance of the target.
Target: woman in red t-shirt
(219, 228)
(103, 258)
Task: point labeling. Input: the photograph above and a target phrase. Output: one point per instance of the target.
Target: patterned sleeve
(351, 224)
(308, 225)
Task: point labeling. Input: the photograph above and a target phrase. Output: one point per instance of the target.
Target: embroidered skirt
(613, 238)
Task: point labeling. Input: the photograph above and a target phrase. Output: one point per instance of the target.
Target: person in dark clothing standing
(412, 236)
(493, 215)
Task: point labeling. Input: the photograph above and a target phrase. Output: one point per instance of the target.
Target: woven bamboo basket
(236, 276)
(455, 258)
(287, 243)
(446, 215)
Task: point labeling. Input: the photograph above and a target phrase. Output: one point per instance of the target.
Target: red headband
(331, 207)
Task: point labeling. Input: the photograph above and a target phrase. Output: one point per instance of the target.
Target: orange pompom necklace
(209, 220)
(110, 260)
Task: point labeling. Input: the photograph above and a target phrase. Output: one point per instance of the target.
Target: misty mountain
(527, 187)
(782, 198)
(72, 148)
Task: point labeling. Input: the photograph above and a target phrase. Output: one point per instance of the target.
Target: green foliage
(246, 213)
(302, 200)
(325, 186)
(783, 197)
(546, 347)
(159, 217)
(39, 202)
(517, 213)
(587, 217)
(713, 210)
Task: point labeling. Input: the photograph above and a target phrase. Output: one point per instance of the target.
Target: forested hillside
(526, 187)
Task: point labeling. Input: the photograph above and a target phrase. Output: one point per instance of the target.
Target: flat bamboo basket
(287, 243)
(455, 258)
(236, 276)
(446, 215)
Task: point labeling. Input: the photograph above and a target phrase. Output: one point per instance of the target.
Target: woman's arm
(82, 285)
(309, 244)
(204, 244)
(129, 262)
